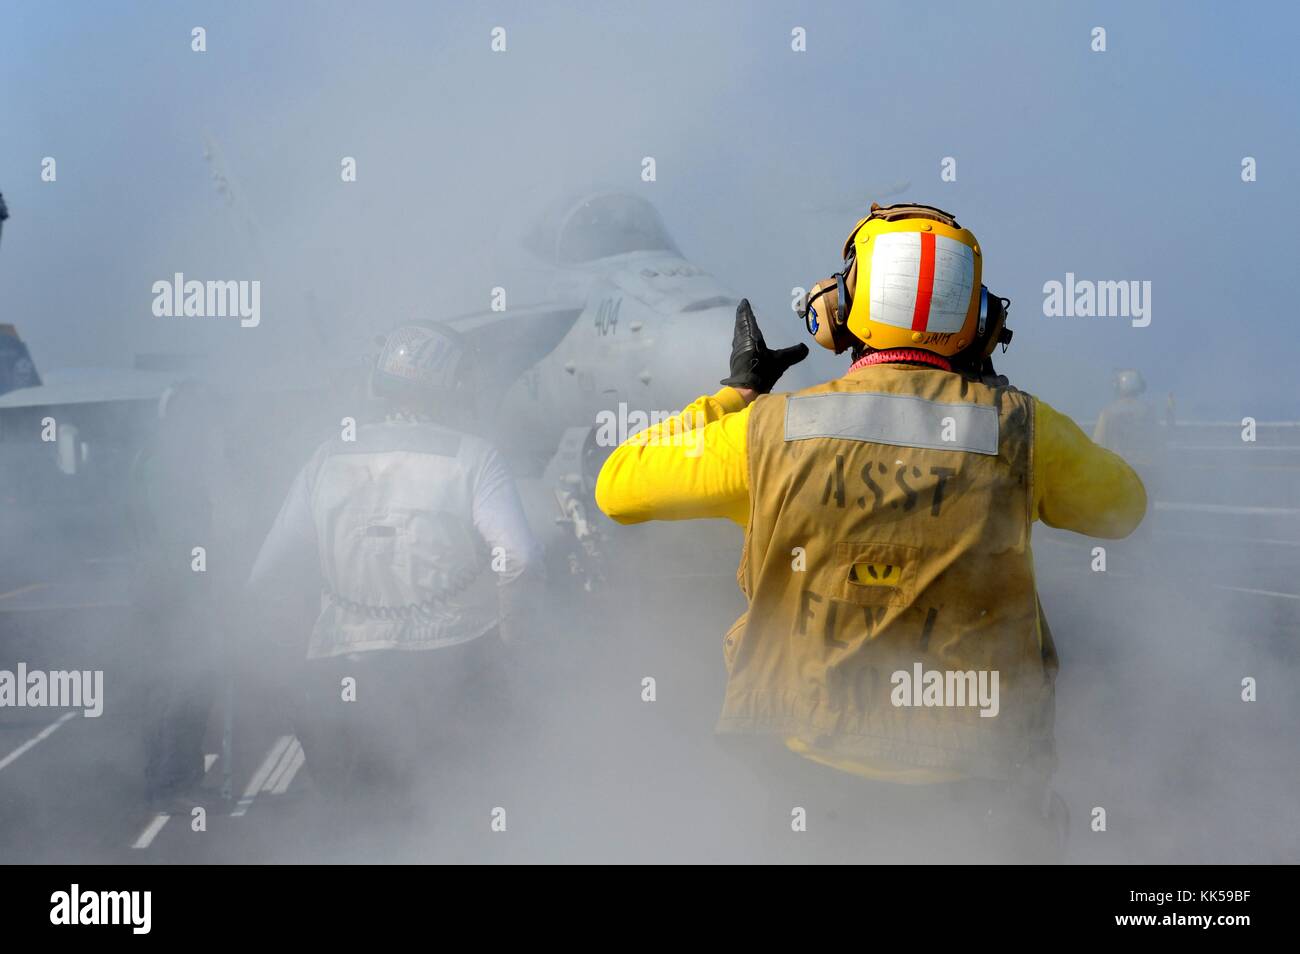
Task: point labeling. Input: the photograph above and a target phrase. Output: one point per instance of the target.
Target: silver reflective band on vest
(898, 419)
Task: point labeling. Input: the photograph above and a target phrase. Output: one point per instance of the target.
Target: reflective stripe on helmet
(924, 283)
(921, 281)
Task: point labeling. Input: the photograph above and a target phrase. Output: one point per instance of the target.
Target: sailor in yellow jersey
(893, 630)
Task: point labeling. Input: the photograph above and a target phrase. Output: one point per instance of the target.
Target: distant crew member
(415, 535)
(1129, 425)
(894, 640)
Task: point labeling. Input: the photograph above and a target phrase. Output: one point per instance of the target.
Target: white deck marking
(1228, 509)
(35, 740)
(151, 831)
(259, 777)
(283, 785)
(273, 779)
(1245, 589)
(1268, 541)
(23, 589)
(159, 821)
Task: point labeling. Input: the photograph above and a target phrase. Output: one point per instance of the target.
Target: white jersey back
(402, 565)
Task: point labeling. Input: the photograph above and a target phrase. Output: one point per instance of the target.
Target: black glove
(753, 364)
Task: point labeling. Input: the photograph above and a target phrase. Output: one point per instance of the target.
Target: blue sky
(1123, 165)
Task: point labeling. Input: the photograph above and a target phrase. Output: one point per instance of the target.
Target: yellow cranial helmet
(911, 279)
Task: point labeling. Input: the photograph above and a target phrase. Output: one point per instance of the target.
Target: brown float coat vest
(889, 526)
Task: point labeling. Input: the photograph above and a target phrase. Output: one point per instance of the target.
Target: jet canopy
(599, 226)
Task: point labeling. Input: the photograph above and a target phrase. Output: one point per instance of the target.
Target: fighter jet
(623, 331)
(626, 320)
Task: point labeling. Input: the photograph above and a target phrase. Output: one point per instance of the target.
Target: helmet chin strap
(894, 355)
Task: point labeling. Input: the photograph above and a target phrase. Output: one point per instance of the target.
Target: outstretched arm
(1079, 485)
(689, 466)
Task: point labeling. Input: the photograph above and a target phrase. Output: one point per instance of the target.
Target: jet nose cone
(701, 341)
(703, 336)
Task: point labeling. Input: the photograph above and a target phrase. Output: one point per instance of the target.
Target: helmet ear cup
(826, 314)
(992, 329)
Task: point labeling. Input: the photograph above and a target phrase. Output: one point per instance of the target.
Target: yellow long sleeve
(1079, 485)
(689, 466)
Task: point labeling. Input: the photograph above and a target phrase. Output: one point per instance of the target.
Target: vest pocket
(876, 573)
